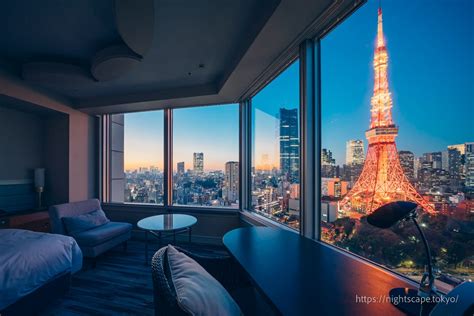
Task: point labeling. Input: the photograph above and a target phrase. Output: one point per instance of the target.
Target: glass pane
(143, 152)
(206, 156)
(275, 149)
(397, 125)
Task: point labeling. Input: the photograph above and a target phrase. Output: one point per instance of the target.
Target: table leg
(159, 240)
(146, 247)
(174, 237)
(189, 234)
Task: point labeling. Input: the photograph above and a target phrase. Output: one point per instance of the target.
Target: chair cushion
(198, 293)
(101, 234)
(57, 212)
(80, 223)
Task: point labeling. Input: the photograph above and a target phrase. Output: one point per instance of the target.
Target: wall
(82, 134)
(21, 144)
(56, 159)
(82, 157)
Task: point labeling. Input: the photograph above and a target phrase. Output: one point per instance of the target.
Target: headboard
(17, 195)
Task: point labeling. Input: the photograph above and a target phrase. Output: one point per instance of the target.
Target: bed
(31, 262)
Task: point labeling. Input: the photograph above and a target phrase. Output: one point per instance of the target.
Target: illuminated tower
(382, 179)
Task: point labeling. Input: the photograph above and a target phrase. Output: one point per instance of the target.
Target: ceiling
(163, 53)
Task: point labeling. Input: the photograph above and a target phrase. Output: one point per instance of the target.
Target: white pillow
(198, 292)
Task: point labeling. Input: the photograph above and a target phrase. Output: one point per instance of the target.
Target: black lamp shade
(389, 214)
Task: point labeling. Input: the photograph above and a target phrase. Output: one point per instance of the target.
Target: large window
(143, 157)
(206, 156)
(397, 125)
(275, 149)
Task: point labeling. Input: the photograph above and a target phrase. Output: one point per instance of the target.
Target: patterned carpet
(120, 284)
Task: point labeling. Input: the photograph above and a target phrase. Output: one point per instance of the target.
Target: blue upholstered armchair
(93, 241)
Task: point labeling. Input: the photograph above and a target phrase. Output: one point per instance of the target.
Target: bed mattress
(29, 259)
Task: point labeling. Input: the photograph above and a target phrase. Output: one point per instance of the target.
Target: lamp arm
(428, 252)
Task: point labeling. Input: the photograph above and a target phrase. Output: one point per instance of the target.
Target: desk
(300, 276)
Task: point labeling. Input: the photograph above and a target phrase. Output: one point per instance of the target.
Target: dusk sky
(431, 77)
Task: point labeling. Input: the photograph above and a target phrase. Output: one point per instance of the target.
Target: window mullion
(168, 158)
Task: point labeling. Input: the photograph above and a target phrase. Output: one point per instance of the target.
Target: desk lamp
(388, 215)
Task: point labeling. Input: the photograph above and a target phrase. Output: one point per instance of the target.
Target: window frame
(247, 109)
(105, 166)
(170, 163)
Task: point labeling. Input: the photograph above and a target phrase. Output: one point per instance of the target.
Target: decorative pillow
(198, 293)
(80, 223)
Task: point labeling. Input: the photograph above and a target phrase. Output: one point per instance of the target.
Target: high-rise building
(456, 167)
(435, 158)
(180, 168)
(328, 164)
(326, 157)
(460, 147)
(198, 162)
(328, 211)
(407, 161)
(230, 191)
(289, 144)
(382, 179)
(469, 166)
(445, 160)
(417, 166)
(469, 147)
(469, 182)
(355, 152)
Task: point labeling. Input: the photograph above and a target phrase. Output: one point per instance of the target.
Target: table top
(167, 222)
(300, 276)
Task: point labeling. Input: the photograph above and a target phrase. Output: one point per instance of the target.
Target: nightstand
(29, 220)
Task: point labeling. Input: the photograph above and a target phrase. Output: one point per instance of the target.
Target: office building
(456, 167)
(230, 192)
(407, 161)
(469, 166)
(180, 167)
(289, 144)
(328, 211)
(459, 147)
(355, 152)
(328, 164)
(198, 163)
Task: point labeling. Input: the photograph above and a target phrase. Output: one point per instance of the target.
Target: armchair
(95, 241)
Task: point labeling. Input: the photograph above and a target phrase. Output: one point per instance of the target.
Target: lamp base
(408, 301)
(39, 190)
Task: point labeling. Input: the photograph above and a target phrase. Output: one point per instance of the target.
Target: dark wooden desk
(300, 276)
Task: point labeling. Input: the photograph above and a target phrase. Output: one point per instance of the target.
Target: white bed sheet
(30, 259)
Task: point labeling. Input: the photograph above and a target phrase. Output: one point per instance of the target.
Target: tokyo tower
(382, 179)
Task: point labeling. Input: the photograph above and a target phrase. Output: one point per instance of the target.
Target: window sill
(253, 218)
(154, 208)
